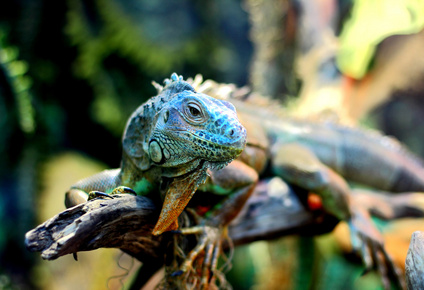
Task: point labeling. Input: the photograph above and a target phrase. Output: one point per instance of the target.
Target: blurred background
(71, 73)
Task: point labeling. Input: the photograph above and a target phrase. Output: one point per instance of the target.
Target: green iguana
(171, 144)
(319, 157)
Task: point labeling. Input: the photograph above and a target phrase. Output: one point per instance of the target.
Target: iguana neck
(181, 169)
(131, 175)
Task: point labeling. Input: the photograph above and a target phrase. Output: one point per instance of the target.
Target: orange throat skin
(179, 193)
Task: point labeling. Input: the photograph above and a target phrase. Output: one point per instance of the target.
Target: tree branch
(126, 222)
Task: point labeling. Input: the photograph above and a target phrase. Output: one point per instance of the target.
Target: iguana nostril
(234, 133)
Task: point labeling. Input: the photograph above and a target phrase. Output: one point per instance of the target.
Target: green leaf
(370, 23)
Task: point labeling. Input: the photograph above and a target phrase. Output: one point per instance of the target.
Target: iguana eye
(194, 113)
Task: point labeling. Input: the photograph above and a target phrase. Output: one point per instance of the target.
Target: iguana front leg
(236, 182)
(105, 181)
(298, 165)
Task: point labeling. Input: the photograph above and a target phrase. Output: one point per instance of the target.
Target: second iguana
(320, 158)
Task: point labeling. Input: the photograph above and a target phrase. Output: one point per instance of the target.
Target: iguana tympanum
(171, 144)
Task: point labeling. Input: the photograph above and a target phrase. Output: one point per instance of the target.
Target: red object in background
(314, 201)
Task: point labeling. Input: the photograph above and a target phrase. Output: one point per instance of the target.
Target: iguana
(319, 157)
(171, 144)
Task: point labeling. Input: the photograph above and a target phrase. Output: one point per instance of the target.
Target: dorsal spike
(146, 108)
(157, 86)
(174, 85)
(175, 78)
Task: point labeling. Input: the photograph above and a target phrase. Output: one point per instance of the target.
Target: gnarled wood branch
(126, 222)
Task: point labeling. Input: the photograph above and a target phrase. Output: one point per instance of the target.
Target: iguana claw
(98, 194)
(123, 189)
(369, 244)
(118, 190)
(205, 253)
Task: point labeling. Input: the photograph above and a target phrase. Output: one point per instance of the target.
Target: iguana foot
(369, 244)
(118, 190)
(203, 259)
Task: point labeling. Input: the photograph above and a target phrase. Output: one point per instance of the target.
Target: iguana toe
(117, 190)
(98, 194)
(123, 189)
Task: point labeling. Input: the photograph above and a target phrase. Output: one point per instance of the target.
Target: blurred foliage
(15, 72)
(369, 24)
(273, 34)
(122, 46)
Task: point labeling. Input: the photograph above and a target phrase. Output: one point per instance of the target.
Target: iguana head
(184, 133)
(180, 128)
(194, 127)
